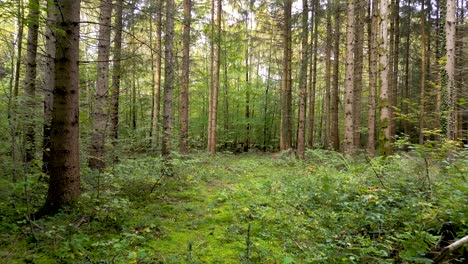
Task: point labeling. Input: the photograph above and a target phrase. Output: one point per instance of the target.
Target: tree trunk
(358, 68)
(96, 153)
(313, 75)
(116, 74)
(385, 107)
(169, 75)
(348, 146)
(405, 107)
(157, 77)
(64, 181)
(49, 83)
(373, 76)
(286, 92)
(450, 30)
(395, 63)
(422, 99)
(30, 79)
(327, 136)
(214, 84)
(301, 133)
(184, 92)
(336, 74)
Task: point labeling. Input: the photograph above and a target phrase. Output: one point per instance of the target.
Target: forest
(235, 131)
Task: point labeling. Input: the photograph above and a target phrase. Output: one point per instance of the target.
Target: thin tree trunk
(49, 83)
(336, 73)
(116, 74)
(450, 30)
(358, 68)
(395, 64)
(301, 133)
(373, 76)
(438, 53)
(157, 77)
(313, 76)
(407, 71)
(96, 153)
(385, 107)
(422, 99)
(286, 96)
(184, 92)
(64, 181)
(327, 136)
(169, 76)
(247, 82)
(348, 146)
(30, 79)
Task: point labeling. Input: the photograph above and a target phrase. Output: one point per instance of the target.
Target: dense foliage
(251, 208)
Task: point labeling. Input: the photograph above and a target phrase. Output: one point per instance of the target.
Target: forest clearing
(233, 131)
(249, 208)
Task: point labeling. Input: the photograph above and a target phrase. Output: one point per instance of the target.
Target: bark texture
(184, 92)
(96, 153)
(286, 91)
(64, 181)
(169, 76)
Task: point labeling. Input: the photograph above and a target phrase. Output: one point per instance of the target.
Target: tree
(64, 181)
(348, 146)
(96, 152)
(286, 91)
(422, 97)
(30, 78)
(157, 76)
(336, 75)
(385, 107)
(49, 83)
(184, 92)
(214, 83)
(313, 74)
(327, 137)
(450, 30)
(373, 76)
(116, 73)
(301, 133)
(169, 76)
(360, 10)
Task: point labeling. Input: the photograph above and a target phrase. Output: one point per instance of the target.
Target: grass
(251, 208)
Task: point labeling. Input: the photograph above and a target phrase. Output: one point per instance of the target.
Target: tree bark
(116, 74)
(327, 137)
(64, 181)
(169, 75)
(184, 92)
(358, 69)
(422, 98)
(157, 77)
(301, 133)
(385, 107)
(348, 146)
(313, 75)
(96, 153)
(450, 30)
(49, 83)
(335, 134)
(373, 76)
(286, 92)
(30, 79)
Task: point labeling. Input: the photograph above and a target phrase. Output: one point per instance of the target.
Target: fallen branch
(450, 248)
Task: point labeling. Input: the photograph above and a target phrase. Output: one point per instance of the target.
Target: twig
(375, 172)
(450, 248)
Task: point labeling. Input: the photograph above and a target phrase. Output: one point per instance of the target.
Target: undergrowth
(252, 208)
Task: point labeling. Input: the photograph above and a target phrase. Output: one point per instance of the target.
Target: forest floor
(250, 208)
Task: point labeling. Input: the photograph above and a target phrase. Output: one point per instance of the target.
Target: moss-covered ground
(251, 208)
